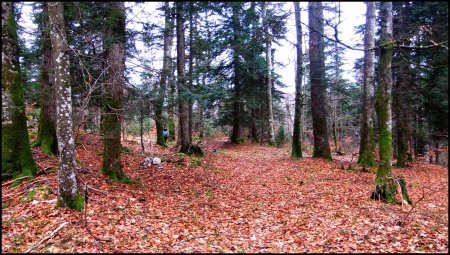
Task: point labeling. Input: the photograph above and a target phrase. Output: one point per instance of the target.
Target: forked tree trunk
(296, 136)
(113, 94)
(16, 153)
(46, 137)
(367, 144)
(318, 85)
(68, 194)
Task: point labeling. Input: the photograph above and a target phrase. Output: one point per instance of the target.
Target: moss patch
(76, 203)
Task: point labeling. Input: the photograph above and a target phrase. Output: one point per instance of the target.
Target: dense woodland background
(217, 80)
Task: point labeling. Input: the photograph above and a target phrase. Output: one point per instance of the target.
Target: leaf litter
(239, 198)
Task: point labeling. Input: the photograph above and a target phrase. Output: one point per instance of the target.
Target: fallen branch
(11, 181)
(47, 237)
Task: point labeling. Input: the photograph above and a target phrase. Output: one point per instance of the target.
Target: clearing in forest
(238, 198)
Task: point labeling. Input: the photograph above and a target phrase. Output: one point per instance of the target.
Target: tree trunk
(113, 94)
(400, 90)
(296, 135)
(46, 137)
(171, 106)
(168, 38)
(385, 184)
(367, 144)
(271, 134)
(183, 106)
(236, 136)
(191, 67)
(318, 86)
(17, 159)
(68, 194)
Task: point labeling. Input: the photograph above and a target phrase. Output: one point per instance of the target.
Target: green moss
(76, 203)
(195, 162)
(46, 136)
(29, 196)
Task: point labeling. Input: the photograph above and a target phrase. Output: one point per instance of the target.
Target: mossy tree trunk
(17, 159)
(168, 38)
(296, 139)
(367, 143)
(68, 194)
(385, 185)
(236, 135)
(318, 86)
(46, 137)
(113, 93)
(183, 106)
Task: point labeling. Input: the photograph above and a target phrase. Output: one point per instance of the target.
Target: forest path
(238, 198)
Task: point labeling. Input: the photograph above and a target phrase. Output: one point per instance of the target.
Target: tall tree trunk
(182, 102)
(385, 184)
(46, 137)
(191, 67)
(400, 89)
(113, 94)
(367, 143)
(172, 103)
(318, 86)
(16, 153)
(68, 194)
(236, 136)
(271, 134)
(296, 139)
(168, 38)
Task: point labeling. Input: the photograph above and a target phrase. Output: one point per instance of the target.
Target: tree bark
(296, 135)
(367, 144)
(317, 77)
(17, 159)
(113, 94)
(236, 136)
(191, 68)
(385, 184)
(183, 106)
(168, 38)
(68, 194)
(400, 90)
(271, 134)
(46, 137)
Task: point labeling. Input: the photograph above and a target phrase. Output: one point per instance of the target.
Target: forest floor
(238, 198)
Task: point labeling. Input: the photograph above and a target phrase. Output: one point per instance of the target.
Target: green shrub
(281, 137)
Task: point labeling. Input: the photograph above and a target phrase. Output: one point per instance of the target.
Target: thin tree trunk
(191, 66)
(170, 110)
(317, 77)
(113, 94)
(236, 136)
(296, 135)
(68, 194)
(17, 159)
(46, 137)
(182, 102)
(367, 144)
(168, 38)
(271, 134)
